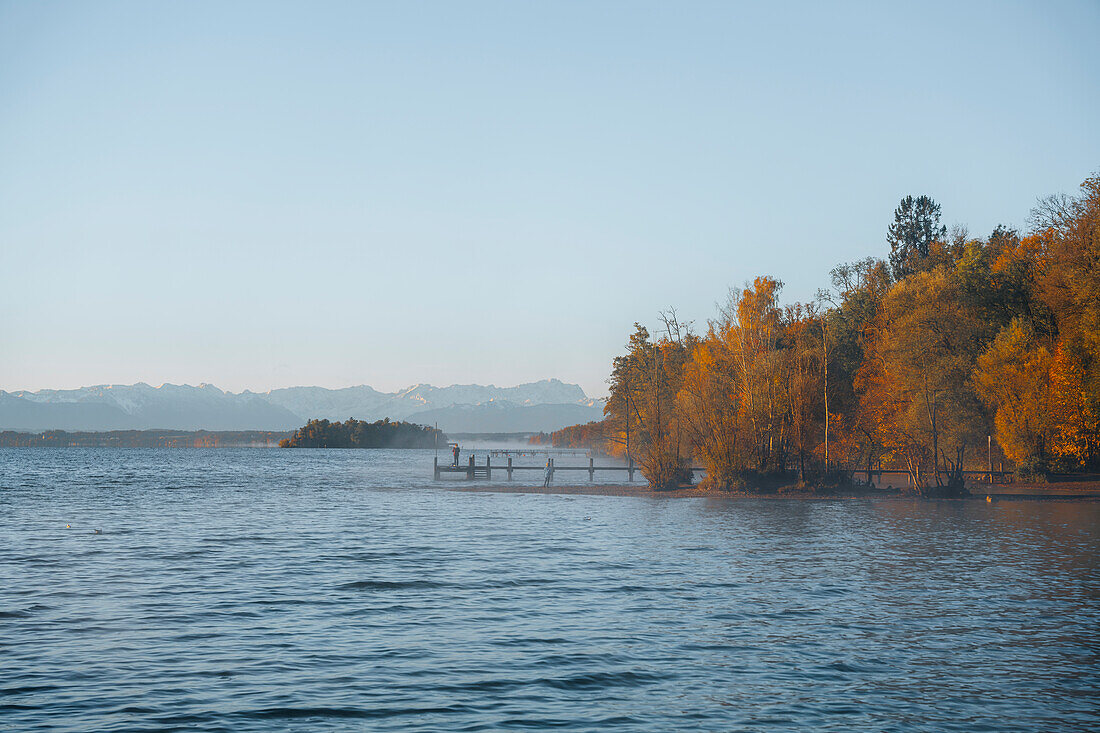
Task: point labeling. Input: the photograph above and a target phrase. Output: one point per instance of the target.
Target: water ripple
(339, 590)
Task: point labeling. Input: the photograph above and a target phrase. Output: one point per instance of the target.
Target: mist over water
(344, 590)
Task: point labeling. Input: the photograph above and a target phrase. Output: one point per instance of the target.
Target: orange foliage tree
(925, 355)
(1013, 378)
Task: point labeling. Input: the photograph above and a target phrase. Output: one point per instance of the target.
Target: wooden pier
(473, 470)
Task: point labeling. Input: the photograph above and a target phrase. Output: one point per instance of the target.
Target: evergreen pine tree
(916, 226)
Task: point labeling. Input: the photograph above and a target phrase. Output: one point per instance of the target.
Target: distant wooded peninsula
(358, 434)
(143, 439)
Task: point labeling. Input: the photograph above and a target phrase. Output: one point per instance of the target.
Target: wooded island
(356, 434)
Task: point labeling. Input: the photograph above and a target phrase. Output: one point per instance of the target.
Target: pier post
(591, 470)
(488, 469)
(435, 466)
(509, 468)
(989, 456)
(630, 470)
(470, 470)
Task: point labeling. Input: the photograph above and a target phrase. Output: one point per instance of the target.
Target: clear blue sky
(260, 195)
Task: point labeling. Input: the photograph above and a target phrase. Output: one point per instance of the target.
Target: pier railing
(990, 476)
(485, 470)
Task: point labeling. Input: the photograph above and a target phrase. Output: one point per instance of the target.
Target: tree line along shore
(142, 439)
(952, 353)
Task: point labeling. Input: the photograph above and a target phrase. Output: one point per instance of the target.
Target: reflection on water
(313, 590)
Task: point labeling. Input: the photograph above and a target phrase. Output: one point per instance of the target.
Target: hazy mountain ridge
(339, 404)
(141, 407)
(495, 417)
(468, 407)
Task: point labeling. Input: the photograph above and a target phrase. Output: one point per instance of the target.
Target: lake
(253, 589)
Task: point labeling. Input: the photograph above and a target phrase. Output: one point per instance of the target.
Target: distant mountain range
(462, 408)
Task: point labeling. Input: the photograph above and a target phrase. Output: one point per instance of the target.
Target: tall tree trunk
(825, 364)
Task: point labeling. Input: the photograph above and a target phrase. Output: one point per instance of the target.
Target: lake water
(255, 590)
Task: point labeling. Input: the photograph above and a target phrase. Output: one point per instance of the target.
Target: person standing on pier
(454, 452)
(549, 474)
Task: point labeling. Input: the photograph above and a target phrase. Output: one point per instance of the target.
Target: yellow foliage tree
(919, 377)
(1013, 379)
(710, 402)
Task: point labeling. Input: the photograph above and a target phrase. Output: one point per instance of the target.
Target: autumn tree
(750, 326)
(751, 391)
(642, 410)
(803, 379)
(710, 401)
(857, 297)
(1074, 415)
(925, 354)
(1013, 379)
(1070, 287)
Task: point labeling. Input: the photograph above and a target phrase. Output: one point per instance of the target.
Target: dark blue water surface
(255, 590)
